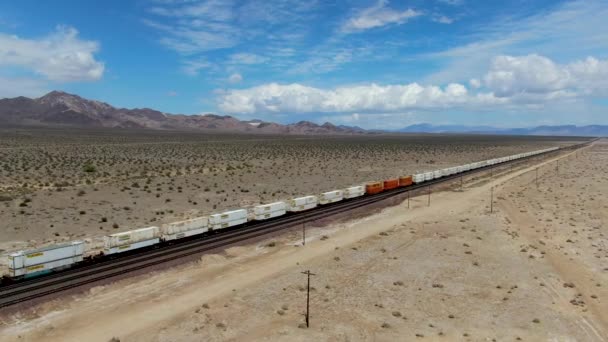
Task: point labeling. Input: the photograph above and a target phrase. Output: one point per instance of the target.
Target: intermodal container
(182, 229)
(46, 266)
(228, 219)
(374, 188)
(266, 211)
(354, 191)
(418, 178)
(331, 196)
(130, 246)
(132, 236)
(391, 184)
(41, 257)
(405, 181)
(302, 203)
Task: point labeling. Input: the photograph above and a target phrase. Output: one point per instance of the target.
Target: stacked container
(331, 197)
(418, 178)
(374, 188)
(391, 184)
(302, 203)
(24, 263)
(266, 211)
(182, 229)
(130, 240)
(405, 180)
(354, 191)
(227, 219)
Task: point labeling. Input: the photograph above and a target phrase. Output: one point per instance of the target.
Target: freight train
(35, 262)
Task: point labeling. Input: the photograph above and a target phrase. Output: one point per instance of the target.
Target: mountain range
(562, 130)
(60, 109)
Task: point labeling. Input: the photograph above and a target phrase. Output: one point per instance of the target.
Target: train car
(354, 191)
(429, 176)
(418, 178)
(302, 203)
(331, 196)
(391, 184)
(374, 188)
(405, 181)
(437, 174)
(131, 240)
(227, 219)
(42, 260)
(266, 211)
(182, 229)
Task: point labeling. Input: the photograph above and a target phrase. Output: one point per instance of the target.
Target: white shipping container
(34, 257)
(429, 176)
(270, 214)
(174, 228)
(418, 178)
(437, 174)
(130, 246)
(51, 265)
(227, 224)
(132, 236)
(267, 208)
(354, 191)
(302, 203)
(228, 216)
(331, 197)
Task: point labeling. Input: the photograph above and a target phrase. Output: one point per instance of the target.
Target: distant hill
(564, 130)
(58, 108)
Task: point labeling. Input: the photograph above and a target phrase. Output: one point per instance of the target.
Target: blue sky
(375, 64)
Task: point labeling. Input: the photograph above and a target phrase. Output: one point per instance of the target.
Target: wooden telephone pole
(308, 274)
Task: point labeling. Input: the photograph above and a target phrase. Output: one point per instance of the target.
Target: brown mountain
(58, 108)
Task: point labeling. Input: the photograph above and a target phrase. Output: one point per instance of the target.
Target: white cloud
(172, 93)
(61, 56)
(452, 2)
(442, 19)
(235, 78)
(246, 58)
(377, 16)
(297, 98)
(534, 74)
(474, 83)
(193, 67)
(526, 82)
(550, 33)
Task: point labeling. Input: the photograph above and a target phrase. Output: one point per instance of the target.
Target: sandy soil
(534, 269)
(143, 179)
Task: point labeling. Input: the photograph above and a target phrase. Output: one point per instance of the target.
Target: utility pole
(537, 177)
(303, 233)
(429, 190)
(492, 199)
(557, 167)
(308, 274)
(408, 199)
(460, 182)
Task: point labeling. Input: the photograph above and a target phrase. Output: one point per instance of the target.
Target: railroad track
(108, 268)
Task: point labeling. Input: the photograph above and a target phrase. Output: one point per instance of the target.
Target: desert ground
(58, 185)
(533, 269)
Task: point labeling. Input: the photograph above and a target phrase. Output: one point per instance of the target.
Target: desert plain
(60, 184)
(532, 266)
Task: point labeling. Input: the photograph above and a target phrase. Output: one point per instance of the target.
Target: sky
(374, 64)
